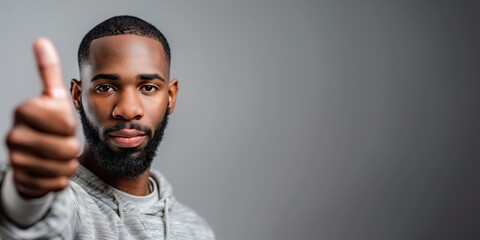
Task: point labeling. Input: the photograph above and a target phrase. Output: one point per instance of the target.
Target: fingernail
(47, 52)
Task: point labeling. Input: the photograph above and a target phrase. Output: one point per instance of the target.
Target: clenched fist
(42, 143)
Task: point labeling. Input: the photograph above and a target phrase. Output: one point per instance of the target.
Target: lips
(127, 138)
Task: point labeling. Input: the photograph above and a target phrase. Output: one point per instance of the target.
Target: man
(124, 96)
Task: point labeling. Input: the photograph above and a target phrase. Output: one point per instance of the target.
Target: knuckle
(15, 136)
(12, 136)
(22, 111)
(71, 168)
(10, 139)
(16, 160)
(62, 183)
(71, 147)
(19, 112)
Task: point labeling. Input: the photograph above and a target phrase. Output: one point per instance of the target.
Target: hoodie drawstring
(119, 205)
(165, 217)
(165, 212)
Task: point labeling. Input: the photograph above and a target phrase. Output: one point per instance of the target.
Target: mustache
(123, 125)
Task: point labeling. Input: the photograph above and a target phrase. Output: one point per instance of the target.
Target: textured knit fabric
(91, 209)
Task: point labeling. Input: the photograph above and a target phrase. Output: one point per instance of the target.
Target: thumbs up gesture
(42, 143)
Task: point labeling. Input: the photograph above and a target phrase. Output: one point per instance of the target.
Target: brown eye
(104, 88)
(148, 88)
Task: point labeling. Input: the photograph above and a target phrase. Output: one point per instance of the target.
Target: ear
(172, 95)
(76, 91)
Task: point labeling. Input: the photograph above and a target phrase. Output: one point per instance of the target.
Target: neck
(138, 186)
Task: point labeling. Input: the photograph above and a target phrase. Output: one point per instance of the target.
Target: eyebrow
(105, 76)
(151, 77)
(144, 76)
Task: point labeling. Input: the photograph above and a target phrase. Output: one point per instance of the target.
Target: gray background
(299, 119)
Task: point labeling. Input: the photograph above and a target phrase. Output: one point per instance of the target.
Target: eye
(148, 88)
(104, 88)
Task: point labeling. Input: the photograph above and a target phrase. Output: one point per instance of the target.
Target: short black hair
(120, 25)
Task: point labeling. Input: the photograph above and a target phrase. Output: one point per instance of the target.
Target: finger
(48, 64)
(41, 167)
(47, 115)
(30, 193)
(49, 146)
(38, 186)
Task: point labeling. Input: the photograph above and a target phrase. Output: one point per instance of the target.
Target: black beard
(122, 163)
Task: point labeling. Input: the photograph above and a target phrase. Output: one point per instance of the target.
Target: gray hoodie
(91, 209)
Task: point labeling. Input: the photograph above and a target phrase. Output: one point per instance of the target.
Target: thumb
(48, 64)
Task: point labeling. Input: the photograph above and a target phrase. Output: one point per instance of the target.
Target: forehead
(126, 52)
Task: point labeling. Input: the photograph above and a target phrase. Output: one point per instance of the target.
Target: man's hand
(42, 143)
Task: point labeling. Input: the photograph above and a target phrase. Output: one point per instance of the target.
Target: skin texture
(42, 146)
(124, 80)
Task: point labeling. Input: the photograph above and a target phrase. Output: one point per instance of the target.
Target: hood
(125, 205)
(96, 187)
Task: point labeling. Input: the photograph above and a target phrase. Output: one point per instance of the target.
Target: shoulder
(193, 222)
(187, 224)
(188, 213)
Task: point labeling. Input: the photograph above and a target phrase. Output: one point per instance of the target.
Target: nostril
(129, 105)
(130, 112)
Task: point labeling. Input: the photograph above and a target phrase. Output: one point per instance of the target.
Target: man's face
(124, 99)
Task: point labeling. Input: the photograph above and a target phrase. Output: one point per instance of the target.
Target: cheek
(97, 110)
(154, 110)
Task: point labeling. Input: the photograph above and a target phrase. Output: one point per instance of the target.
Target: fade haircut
(120, 25)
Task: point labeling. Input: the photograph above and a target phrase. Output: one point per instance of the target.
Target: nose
(128, 106)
